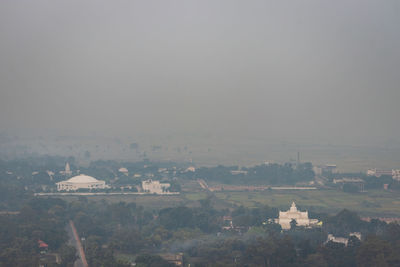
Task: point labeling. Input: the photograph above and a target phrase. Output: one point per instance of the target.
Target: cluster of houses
(395, 173)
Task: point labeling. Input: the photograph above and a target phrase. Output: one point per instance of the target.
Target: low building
(154, 187)
(378, 173)
(383, 219)
(176, 259)
(325, 169)
(123, 170)
(81, 182)
(396, 175)
(342, 240)
(358, 182)
(237, 172)
(227, 223)
(190, 169)
(329, 168)
(317, 170)
(43, 247)
(301, 218)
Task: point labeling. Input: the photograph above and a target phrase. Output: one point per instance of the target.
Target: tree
(350, 188)
(374, 252)
(293, 224)
(316, 260)
(261, 251)
(68, 256)
(147, 260)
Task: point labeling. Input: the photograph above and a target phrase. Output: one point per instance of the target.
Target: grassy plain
(372, 203)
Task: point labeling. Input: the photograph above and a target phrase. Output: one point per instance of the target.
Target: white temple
(301, 218)
(67, 171)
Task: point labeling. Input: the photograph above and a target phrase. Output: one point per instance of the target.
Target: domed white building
(81, 181)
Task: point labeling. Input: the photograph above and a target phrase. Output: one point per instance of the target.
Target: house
(342, 240)
(43, 247)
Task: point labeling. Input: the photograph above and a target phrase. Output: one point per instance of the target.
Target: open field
(147, 201)
(373, 203)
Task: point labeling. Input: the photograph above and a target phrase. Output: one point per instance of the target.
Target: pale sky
(321, 70)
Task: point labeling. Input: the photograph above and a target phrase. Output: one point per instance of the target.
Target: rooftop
(82, 179)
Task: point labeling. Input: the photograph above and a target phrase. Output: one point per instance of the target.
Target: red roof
(42, 244)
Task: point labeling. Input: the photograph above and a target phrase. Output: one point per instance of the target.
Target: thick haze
(327, 71)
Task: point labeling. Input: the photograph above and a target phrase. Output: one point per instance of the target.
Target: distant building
(190, 169)
(378, 173)
(162, 170)
(237, 172)
(176, 259)
(354, 181)
(81, 182)
(43, 247)
(67, 171)
(386, 186)
(342, 240)
(317, 170)
(227, 223)
(301, 218)
(154, 187)
(123, 170)
(396, 175)
(331, 168)
(51, 174)
(383, 219)
(328, 168)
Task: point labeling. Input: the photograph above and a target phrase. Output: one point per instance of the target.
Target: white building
(79, 182)
(342, 240)
(301, 218)
(154, 186)
(123, 170)
(396, 175)
(237, 172)
(378, 173)
(190, 169)
(317, 170)
(67, 171)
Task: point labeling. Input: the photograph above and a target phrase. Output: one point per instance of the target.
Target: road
(76, 243)
(203, 184)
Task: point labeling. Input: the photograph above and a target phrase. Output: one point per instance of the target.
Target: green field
(373, 203)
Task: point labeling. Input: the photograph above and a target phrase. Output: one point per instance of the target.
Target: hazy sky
(322, 70)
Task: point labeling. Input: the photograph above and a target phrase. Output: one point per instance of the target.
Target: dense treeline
(113, 228)
(38, 219)
(253, 241)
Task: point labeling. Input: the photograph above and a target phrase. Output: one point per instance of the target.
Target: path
(76, 242)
